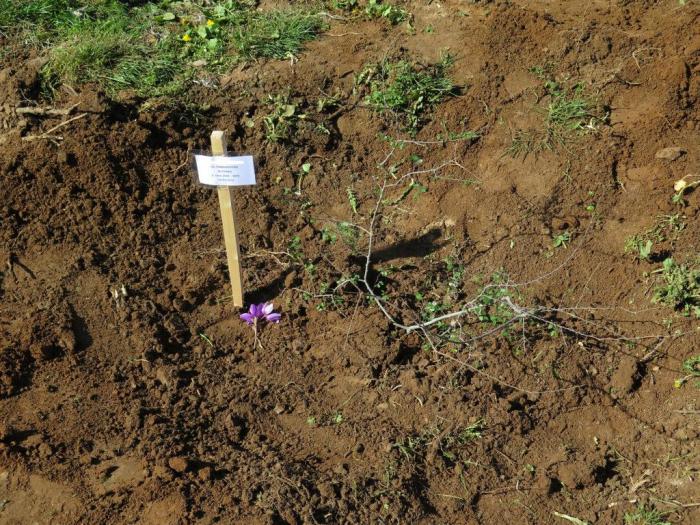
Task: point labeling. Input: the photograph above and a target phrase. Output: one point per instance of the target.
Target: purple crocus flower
(261, 311)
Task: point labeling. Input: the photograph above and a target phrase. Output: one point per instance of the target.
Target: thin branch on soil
(47, 134)
(45, 112)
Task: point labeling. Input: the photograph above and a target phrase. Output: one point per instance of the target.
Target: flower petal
(267, 308)
(248, 318)
(274, 317)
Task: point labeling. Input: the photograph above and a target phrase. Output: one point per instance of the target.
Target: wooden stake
(218, 147)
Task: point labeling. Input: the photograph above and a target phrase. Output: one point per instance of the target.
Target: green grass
(569, 112)
(406, 92)
(278, 34)
(568, 109)
(645, 516)
(152, 49)
(42, 13)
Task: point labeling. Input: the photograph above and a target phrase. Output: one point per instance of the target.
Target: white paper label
(225, 171)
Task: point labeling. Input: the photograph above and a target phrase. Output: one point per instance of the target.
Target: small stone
(482, 246)
(199, 63)
(179, 464)
(670, 153)
(204, 473)
(279, 409)
(163, 376)
(45, 450)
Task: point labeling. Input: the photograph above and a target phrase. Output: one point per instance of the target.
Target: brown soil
(114, 409)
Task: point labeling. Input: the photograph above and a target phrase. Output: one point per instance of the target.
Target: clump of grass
(405, 91)
(152, 49)
(48, 14)
(448, 444)
(107, 48)
(569, 111)
(278, 34)
(680, 288)
(645, 516)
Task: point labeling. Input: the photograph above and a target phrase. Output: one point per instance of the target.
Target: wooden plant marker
(225, 172)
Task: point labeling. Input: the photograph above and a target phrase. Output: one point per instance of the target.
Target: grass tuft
(645, 516)
(569, 112)
(278, 34)
(151, 49)
(405, 91)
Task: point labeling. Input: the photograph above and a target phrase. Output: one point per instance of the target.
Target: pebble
(204, 473)
(179, 464)
(670, 153)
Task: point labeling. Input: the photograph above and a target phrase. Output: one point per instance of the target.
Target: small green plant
(471, 432)
(352, 200)
(490, 308)
(639, 247)
(378, 9)
(691, 367)
(328, 235)
(374, 9)
(305, 170)
(349, 234)
(456, 277)
(405, 91)
(294, 250)
(666, 227)
(681, 186)
(561, 240)
(680, 288)
(645, 516)
(282, 122)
